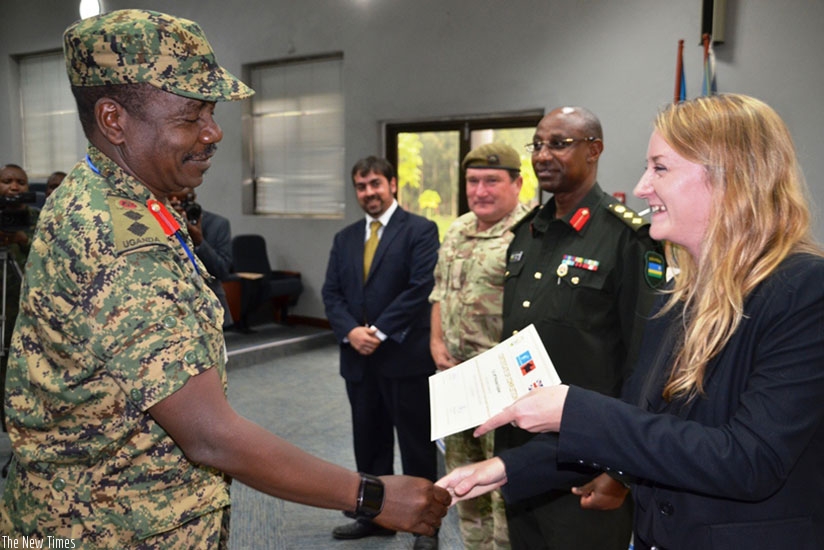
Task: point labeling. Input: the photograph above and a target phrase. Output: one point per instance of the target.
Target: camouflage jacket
(114, 318)
(469, 283)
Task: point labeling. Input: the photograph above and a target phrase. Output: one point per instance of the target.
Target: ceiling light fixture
(89, 8)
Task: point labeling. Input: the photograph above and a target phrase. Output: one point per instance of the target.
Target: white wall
(413, 59)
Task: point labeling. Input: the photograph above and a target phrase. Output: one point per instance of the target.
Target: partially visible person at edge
(721, 428)
(583, 269)
(212, 236)
(54, 181)
(120, 428)
(466, 310)
(17, 223)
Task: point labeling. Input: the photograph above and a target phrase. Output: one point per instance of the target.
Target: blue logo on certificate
(525, 357)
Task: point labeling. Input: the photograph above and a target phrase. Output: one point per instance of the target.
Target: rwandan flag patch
(654, 268)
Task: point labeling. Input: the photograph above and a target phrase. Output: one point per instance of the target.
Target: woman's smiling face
(679, 196)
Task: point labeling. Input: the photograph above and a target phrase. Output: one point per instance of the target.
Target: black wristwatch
(370, 498)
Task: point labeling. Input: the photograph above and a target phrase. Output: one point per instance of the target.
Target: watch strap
(370, 497)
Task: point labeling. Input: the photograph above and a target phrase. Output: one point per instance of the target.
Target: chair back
(249, 254)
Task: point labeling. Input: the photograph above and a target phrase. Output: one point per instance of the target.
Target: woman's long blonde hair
(760, 216)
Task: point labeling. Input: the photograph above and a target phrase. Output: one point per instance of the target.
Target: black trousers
(381, 405)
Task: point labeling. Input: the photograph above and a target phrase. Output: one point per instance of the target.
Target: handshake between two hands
(538, 411)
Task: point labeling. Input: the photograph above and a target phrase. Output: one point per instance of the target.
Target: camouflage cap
(493, 155)
(133, 46)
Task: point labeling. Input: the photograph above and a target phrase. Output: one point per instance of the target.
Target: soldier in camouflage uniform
(121, 432)
(467, 304)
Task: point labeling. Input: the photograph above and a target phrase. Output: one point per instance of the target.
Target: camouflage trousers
(202, 533)
(65, 523)
(483, 519)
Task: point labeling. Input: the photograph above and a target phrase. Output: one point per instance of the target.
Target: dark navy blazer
(394, 298)
(739, 467)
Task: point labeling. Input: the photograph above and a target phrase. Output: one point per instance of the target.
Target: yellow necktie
(370, 247)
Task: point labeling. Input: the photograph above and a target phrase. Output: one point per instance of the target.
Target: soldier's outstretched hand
(412, 504)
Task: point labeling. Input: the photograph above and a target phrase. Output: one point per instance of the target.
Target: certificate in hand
(468, 394)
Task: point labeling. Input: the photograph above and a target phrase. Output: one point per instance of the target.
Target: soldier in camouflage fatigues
(87, 362)
(467, 310)
(116, 407)
(115, 318)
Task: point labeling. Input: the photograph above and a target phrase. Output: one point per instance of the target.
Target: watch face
(370, 497)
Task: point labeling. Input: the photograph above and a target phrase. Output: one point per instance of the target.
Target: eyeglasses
(555, 144)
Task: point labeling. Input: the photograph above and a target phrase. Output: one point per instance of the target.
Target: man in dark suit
(379, 277)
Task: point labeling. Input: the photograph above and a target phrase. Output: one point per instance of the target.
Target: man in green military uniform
(467, 306)
(121, 432)
(583, 269)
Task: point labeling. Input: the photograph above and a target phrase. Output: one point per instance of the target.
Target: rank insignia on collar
(516, 256)
(163, 217)
(654, 268)
(579, 219)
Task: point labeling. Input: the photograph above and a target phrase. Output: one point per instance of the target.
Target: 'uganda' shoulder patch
(134, 226)
(627, 215)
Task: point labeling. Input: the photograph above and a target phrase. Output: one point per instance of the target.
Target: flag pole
(706, 86)
(679, 71)
(705, 38)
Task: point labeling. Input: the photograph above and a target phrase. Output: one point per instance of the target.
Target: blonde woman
(720, 432)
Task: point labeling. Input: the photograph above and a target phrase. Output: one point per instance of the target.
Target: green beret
(493, 155)
(134, 46)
